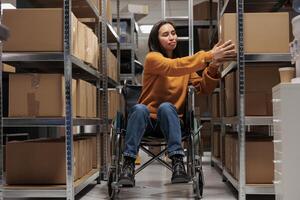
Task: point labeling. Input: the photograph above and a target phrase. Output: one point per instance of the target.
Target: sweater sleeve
(205, 84)
(156, 63)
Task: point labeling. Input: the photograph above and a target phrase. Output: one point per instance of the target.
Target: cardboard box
(94, 101)
(202, 105)
(89, 100)
(230, 95)
(112, 65)
(203, 38)
(44, 33)
(259, 160)
(258, 100)
(216, 144)
(9, 69)
(81, 97)
(95, 155)
(256, 38)
(26, 162)
(202, 11)
(215, 108)
(81, 39)
(38, 95)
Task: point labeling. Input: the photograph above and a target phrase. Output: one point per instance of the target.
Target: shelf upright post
(1, 118)
(68, 100)
(98, 111)
(241, 96)
(118, 42)
(104, 100)
(132, 24)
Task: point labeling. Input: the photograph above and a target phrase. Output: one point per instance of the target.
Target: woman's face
(167, 37)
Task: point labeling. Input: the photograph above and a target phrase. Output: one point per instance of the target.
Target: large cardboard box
(38, 95)
(258, 100)
(263, 32)
(259, 160)
(39, 162)
(35, 29)
(202, 11)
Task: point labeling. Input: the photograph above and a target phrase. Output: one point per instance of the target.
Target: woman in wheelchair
(161, 103)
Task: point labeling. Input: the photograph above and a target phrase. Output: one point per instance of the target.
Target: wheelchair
(191, 130)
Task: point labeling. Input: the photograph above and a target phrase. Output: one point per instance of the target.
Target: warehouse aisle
(154, 183)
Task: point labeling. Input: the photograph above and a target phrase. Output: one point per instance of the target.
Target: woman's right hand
(223, 52)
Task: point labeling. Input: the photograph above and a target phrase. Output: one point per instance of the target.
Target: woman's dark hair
(153, 41)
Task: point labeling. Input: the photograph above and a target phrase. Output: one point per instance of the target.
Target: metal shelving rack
(128, 48)
(241, 121)
(108, 37)
(70, 66)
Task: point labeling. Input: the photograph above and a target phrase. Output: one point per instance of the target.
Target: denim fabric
(139, 122)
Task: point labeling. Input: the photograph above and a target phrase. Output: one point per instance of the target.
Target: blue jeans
(139, 122)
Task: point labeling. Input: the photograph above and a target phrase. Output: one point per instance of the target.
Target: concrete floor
(154, 183)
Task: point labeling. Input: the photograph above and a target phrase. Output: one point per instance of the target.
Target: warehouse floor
(154, 183)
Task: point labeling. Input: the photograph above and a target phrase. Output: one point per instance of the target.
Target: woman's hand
(223, 52)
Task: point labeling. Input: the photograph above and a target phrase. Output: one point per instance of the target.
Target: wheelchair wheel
(198, 185)
(111, 184)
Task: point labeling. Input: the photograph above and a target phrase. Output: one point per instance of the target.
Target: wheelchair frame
(194, 161)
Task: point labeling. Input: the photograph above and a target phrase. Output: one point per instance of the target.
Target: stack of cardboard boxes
(45, 33)
(259, 80)
(43, 161)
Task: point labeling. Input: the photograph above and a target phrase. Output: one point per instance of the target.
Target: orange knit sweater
(167, 80)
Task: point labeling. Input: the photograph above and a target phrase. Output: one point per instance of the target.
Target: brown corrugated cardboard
(202, 105)
(259, 160)
(95, 164)
(215, 108)
(216, 144)
(258, 99)
(94, 103)
(81, 95)
(202, 11)
(38, 95)
(44, 33)
(89, 100)
(26, 162)
(29, 35)
(230, 95)
(81, 38)
(256, 38)
(203, 38)
(9, 69)
(112, 65)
